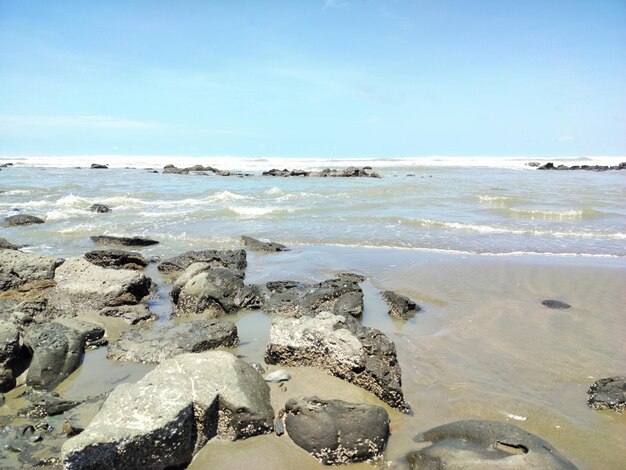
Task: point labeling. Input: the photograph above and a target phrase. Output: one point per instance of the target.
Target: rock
(335, 431)
(352, 277)
(57, 352)
(123, 241)
(258, 367)
(278, 376)
(547, 166)
(342, 347)
(214, 291)
(291, 298)
(400, 306)
(165, 418)
(7, 378)
(555, 304)
(7, 245)
(257, 245)
(82, 286)
(116, 259)
(171, 169)
(79, 417)
(100, 208)
(9, 342)
(229, 259)
(46, 404)
(22, 219)
(133, 314)
(18, 269)
(485, 444)
(155, 346)
(608, 394)
(93, 333)
(99, 166)
(533, 164)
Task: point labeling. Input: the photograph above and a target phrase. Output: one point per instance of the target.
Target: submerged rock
(258, 245)
(116, 259)
(155, 346)
(485, 444)
(123, 241)
(400, 306)
(342, 347)
(22, 219)
(335, 431)
(18, 269)
(235, 260)
(555, 304)
(133, 314)
(608, 394)
(100, 208)
(163, 420)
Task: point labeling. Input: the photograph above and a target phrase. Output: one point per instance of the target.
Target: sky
(313, 78)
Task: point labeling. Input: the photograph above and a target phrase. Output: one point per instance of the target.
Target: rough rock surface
(9, 353)
(165, 418)
(18, 268)
(122, 241)
(215, 291)
(7, 245)
(608, 394)
(93, 333)
(133, 314)
(258, 245)
(335, 431)
(155, 346)
(81, 285)
(22, 219)
(555, 304)
(341, 346)
(291, 298)
(116, 259)
(100, 208)
(400, 306)
(57, 351)
(235, 260)
(485, 444)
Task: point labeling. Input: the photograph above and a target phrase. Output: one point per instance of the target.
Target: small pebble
(277, 376)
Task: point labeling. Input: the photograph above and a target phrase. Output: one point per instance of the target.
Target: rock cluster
(552, 166)
(350, 172)
(122, 241)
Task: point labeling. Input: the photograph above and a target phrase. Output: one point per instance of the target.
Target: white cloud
(87, 121)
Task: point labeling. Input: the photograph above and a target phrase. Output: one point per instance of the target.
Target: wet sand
(482, 348)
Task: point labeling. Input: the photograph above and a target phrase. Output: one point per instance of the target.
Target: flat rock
(7, 245)
(57, 352)
(155, 346)
(235, 260)
(295, 299)
(116, 259)
(18, 269)
(400, 306)
(335, 431)
(122, 241)
(46, 404)
(258, 245)
(133, 314)
(484, 444)
(100, 208)
(608, 394)
(342, 347)
(81, 285)
(22, 219)
(555, 304)
(163, 420)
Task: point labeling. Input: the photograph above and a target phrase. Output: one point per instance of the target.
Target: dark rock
(485, 444)
(116, 259)
(123, 241)
(100, 208)
(22, 219)
(46, 404)
(608, 394)
(19, 269)
(99, 166)
(57, 352)
(235, 260)
(335, 431)
(171, 169)
(93, 333)
(133, 314)
(555, 304)
(342, 297)
(400, 306)
(155, 346)
(6, 165)
(342, 347)
(163, 420)
(547, 166)
(352, 277)
(257, 245)
(7, 245)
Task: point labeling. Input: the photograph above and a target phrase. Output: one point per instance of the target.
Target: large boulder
(165, 418)
(215, 291)
(485, 444)
(295, 299)
(122, 241)
(18, 269)
(335, 431)
(342, 347)
(57, 352)
(9, 353)
(22, 219)
(608, 394)
(116, 259)
(258, 245)
(235, 260)
(400, 306)
(155, 346)
(81, 285)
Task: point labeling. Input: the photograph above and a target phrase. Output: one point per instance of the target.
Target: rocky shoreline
(49, 311)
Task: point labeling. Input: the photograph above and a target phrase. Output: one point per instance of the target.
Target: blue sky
(339, 78)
